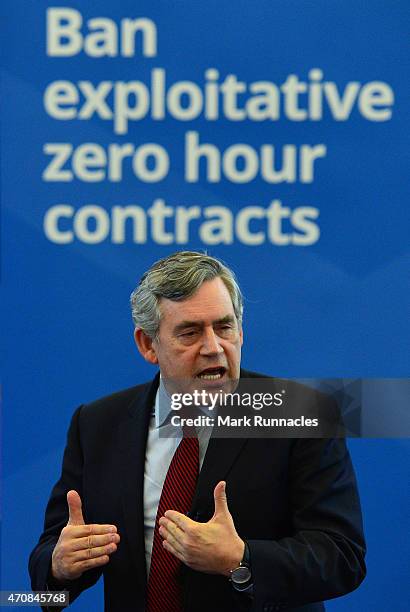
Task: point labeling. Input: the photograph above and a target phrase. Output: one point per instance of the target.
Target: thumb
(221, 502)
(75, 514)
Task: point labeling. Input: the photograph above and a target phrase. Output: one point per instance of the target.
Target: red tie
(164, 589)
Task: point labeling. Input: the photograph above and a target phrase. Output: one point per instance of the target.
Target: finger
(181, 520)
(82, 566)
(173, 541)
(80, 531)
(172, 533)
(166, 523)
(93, 553)
(75, 514)
(173, 551)
(221, 502)
(93, 541)
(169, 528)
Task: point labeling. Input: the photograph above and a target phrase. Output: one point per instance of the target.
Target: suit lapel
(132, 442)
(219, 458)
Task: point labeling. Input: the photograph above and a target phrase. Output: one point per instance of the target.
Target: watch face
(240, 575)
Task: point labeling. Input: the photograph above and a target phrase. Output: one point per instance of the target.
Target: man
(267, 524)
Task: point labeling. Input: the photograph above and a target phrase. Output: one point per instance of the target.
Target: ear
(145, 346)
(241, 335)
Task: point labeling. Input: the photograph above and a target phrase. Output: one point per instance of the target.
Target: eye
(225, 328)
(188, 334)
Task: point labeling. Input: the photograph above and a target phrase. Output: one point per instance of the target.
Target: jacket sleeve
(324, 555)
(56, 518)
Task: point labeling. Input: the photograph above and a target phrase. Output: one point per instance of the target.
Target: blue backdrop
(318, 235)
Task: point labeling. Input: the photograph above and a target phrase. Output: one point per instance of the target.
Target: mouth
(215, 373)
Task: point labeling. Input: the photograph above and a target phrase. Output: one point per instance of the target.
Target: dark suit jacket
(294, 500)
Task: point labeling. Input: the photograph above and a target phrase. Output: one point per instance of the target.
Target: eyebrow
(186, 324)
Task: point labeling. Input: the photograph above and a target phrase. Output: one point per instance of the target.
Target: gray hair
(177, 277)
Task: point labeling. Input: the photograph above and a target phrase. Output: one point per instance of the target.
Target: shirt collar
(162, 408)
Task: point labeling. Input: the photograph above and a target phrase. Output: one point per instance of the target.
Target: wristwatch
(241, 576)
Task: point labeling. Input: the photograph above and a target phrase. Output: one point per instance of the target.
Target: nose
(210, 343)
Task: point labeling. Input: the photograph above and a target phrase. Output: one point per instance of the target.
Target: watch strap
(246, 559)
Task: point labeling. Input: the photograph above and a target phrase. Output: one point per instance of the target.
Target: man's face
(199, 339)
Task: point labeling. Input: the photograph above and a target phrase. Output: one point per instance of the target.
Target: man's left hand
(213, 547)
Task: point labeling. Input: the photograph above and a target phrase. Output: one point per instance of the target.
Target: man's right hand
(81, 547)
